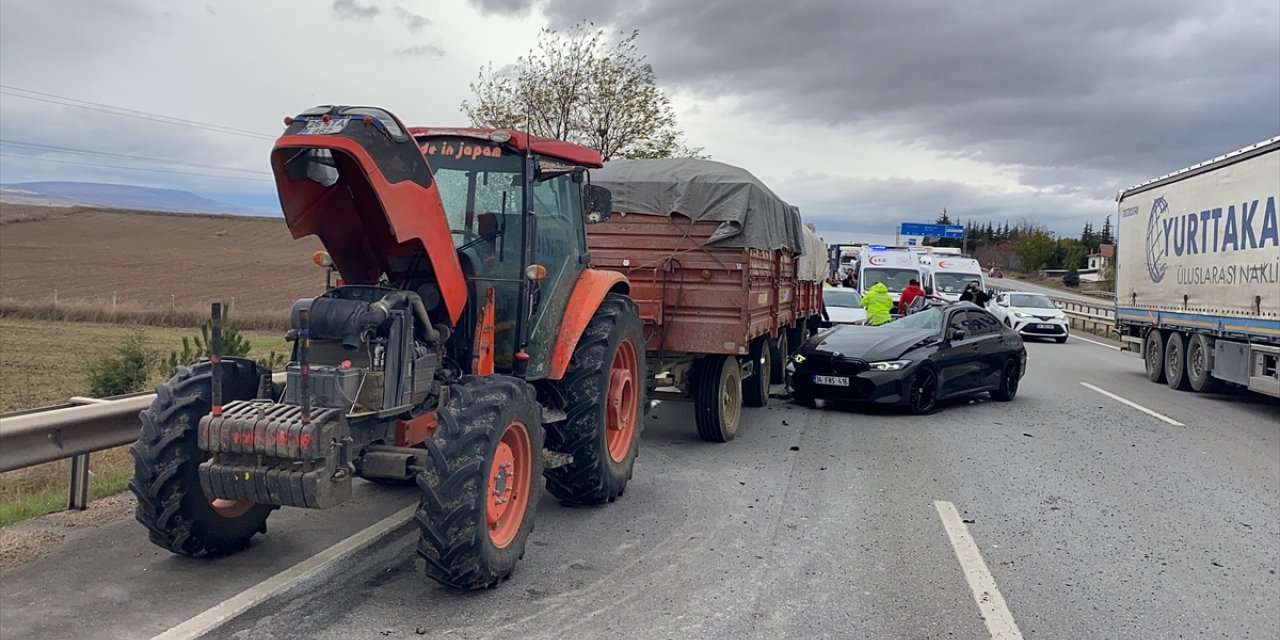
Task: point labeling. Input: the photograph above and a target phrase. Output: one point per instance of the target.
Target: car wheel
(1010, 376)
(922, 393)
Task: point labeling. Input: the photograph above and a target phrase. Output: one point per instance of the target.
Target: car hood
(869, 343)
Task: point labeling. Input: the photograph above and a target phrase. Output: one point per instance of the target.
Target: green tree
(579, 85)
(1106, 236)
(125, 370)
(1035, 247)
(234, 345)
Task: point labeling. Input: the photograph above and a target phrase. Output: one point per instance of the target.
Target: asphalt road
(1096, 520)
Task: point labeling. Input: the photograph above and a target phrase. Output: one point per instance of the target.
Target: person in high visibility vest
(878, 303)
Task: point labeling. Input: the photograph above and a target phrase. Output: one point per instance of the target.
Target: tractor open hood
(355, 178)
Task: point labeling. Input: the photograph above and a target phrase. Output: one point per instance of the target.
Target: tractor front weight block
(266, 453)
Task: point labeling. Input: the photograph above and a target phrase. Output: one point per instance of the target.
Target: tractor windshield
(479, 183)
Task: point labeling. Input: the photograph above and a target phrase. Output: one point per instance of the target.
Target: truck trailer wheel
(755, 389)
(1153, 355)
(780, 352)
(166, 462)
(1175, 361)
(603, 397)
(717, 398)
(482, 481)
(1199, 364)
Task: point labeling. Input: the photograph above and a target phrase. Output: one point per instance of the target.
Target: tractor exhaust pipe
(215, 356)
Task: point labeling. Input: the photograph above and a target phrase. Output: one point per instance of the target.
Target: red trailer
(713, 258)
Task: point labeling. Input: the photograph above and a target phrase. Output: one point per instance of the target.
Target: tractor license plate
(320, 127)
(836, 381)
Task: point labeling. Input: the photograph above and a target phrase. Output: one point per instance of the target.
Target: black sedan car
(914, 361)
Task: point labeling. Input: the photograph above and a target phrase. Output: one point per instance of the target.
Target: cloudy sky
(864, 114)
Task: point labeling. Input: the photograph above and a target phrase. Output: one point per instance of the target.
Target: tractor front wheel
(166, 461)
(482, 482)
(603, 396)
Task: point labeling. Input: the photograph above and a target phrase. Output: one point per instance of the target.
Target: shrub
(1072, 277)
(234, 345)
(124, 371)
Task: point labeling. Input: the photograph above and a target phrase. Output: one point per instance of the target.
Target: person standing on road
(909, 294)
(974, 293)
(878, 303)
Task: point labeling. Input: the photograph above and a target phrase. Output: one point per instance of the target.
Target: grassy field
(42, 363)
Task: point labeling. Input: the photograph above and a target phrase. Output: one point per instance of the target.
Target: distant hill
(118, 196)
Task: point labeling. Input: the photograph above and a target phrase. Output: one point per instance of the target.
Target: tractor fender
(588, 292)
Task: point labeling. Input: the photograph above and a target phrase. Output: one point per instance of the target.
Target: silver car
(1032, 315)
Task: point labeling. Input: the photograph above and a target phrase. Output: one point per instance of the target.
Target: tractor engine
(366, 359)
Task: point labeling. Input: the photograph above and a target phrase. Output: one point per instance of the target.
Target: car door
(990, 350)
(958, 356)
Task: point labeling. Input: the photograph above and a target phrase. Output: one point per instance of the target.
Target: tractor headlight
(889, 365)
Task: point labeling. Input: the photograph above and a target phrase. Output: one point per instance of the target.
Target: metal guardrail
(75, 430)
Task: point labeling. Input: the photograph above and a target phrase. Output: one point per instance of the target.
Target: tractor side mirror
(599, 204)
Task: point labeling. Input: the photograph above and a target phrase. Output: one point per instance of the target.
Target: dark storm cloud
(352, 10)
(412, 21)
(433, 50)
(1129, 90)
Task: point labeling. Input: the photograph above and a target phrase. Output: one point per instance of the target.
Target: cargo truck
(724, 273)
(1198, 272)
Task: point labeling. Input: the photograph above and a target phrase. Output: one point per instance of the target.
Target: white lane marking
(220, 614)
(1100, 344)
(985, 592)
(1135, 405)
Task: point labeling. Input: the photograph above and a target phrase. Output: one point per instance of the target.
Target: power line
(114, 166)
(89, 152)
(50, 98)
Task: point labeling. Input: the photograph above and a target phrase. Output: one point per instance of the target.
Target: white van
(952, 275)
(895, 268)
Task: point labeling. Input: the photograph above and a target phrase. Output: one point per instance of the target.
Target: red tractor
(466, 347)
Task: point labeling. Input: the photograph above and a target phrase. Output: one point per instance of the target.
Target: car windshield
(474, 177)
(847, 298)
(952, 282)
(1031, 301)
(927, 319)
(895, 279)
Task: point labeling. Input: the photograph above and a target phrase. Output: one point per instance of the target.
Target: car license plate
(1044, 326)
(838, 381)
(320, 127)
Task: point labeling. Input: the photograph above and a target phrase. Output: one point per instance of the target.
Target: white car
(844, 305)
(1032, 315)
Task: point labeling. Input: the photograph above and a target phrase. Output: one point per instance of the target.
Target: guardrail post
(78, 498)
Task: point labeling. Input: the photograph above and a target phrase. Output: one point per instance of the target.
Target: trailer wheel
(166, 463)
(1153, 352)
(603, 397)
(1199, 365)
(781, 351)
(755, 389)
(1175, 361)
(717, 398)
(481, 483)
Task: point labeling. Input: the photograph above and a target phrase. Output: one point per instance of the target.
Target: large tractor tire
(166, 461)
(481, 483)
(603, 398)
(717, 398)
(755, 388)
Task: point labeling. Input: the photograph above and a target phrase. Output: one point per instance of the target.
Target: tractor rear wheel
(482, 482)
(166, 462)
(603, 396)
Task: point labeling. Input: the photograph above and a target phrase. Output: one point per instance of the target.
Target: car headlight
(889, 365)
(1019, 314)
(799, 357)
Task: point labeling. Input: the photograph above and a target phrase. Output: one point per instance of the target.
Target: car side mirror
(955, 334)
(599, 203)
